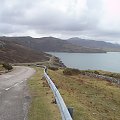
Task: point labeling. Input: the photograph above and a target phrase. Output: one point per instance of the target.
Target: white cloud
(111, 16)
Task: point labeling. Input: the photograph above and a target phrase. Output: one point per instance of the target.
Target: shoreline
(84, 61)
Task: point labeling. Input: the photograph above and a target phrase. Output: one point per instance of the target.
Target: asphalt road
(14, 95)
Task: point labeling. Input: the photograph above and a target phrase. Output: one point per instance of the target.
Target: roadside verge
(41, 107)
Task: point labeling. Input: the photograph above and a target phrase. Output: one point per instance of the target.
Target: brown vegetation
(91, 98)
(15, 53)
(71, 71)
(7, 66)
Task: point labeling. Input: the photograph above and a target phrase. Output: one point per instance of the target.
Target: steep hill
(15, 53)
(51, 44)
(109, 47)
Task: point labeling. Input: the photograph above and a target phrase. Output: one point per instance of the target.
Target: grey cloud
(10, 28)
(45, 18)
(38, 15)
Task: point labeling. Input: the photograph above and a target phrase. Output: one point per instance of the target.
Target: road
(14, 95)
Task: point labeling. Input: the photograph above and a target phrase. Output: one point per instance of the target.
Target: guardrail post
(70, 109)
(118, 82)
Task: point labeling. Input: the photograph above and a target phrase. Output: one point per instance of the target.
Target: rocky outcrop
(103, 77)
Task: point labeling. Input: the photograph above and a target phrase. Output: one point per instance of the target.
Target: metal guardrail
(60, 102)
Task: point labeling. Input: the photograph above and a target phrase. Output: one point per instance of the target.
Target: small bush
(53, 68)
(7, 66)
(82, 72)
(115, 75)
(96, 72)
(71, 71)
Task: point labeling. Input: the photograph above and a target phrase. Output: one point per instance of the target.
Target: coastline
(85, 61)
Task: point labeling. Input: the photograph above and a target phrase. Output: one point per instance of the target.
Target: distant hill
(109, 47)
(16, 53)
(51, 44)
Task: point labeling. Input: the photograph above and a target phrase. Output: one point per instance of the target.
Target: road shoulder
(41, 107)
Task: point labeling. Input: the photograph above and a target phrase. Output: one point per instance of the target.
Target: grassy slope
(41, 107)
(92, 99)
(15, 53)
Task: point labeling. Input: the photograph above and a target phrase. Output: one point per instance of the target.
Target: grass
(41, 107)
(91, 98)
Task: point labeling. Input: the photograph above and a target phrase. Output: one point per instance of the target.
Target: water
(95, 61)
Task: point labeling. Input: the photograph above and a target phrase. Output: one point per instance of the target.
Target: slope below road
(14, 97)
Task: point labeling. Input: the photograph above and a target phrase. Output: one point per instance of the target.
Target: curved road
(14, 97)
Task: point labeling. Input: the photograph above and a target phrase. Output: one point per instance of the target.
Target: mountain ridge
(51, 44)
(107, 46)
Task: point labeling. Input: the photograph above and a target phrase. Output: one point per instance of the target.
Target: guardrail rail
(60, 102)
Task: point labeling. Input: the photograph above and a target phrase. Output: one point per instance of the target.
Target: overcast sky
(93, 19)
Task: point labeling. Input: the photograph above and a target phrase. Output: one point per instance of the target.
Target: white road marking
(14, 85)
(7, 88)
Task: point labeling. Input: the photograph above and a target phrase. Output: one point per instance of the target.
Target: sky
(90, 19)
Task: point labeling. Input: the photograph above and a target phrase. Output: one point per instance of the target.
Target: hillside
(15, 53)
(91, 98)
(109, 47)
(51, 44)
